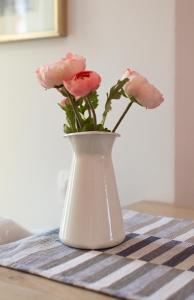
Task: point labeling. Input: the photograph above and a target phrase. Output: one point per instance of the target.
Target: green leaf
(100, 127)
(93, 97)
(116, 92)
(70, 117)
(123, 93)
(108, 107)
(88, 125)
(82, 105)
(67, 129)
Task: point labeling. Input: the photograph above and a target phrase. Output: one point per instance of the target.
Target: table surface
(20, 286)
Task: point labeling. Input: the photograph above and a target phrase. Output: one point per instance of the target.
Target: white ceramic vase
(92, 216)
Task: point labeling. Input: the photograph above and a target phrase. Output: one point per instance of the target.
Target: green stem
(79, 120)
(105, 112)
(115, 93)
(122, 116)
(71, 99)
(92, 110)
(88, 108)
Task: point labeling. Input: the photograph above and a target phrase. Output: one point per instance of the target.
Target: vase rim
(92, 133)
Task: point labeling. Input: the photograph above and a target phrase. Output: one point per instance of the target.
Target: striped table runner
(156, 260)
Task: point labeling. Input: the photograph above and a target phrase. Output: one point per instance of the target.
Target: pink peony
(83, 83)
(142, 90)
(53, 75)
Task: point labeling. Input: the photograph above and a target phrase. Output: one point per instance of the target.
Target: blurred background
(153, 158)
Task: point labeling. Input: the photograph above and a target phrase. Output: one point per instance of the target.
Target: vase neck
(92, 144)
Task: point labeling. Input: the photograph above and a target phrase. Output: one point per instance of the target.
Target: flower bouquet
(92, 216)
(79, 89)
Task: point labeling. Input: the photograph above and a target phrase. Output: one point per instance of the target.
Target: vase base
(92, 246)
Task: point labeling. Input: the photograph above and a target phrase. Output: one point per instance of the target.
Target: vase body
(92, 216)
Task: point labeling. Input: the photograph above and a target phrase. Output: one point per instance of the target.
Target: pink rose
(53, 75)
(83, 83)
(142, 90)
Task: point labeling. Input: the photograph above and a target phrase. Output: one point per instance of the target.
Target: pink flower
(83, 83)
(53, 75)
(129, 73)
(142, 90)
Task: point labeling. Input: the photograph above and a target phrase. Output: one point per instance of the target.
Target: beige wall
(184, 103)
(112, 35)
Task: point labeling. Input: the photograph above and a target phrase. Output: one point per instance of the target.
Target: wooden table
(16, 285)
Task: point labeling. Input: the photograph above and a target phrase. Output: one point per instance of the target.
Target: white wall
(112, 35)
